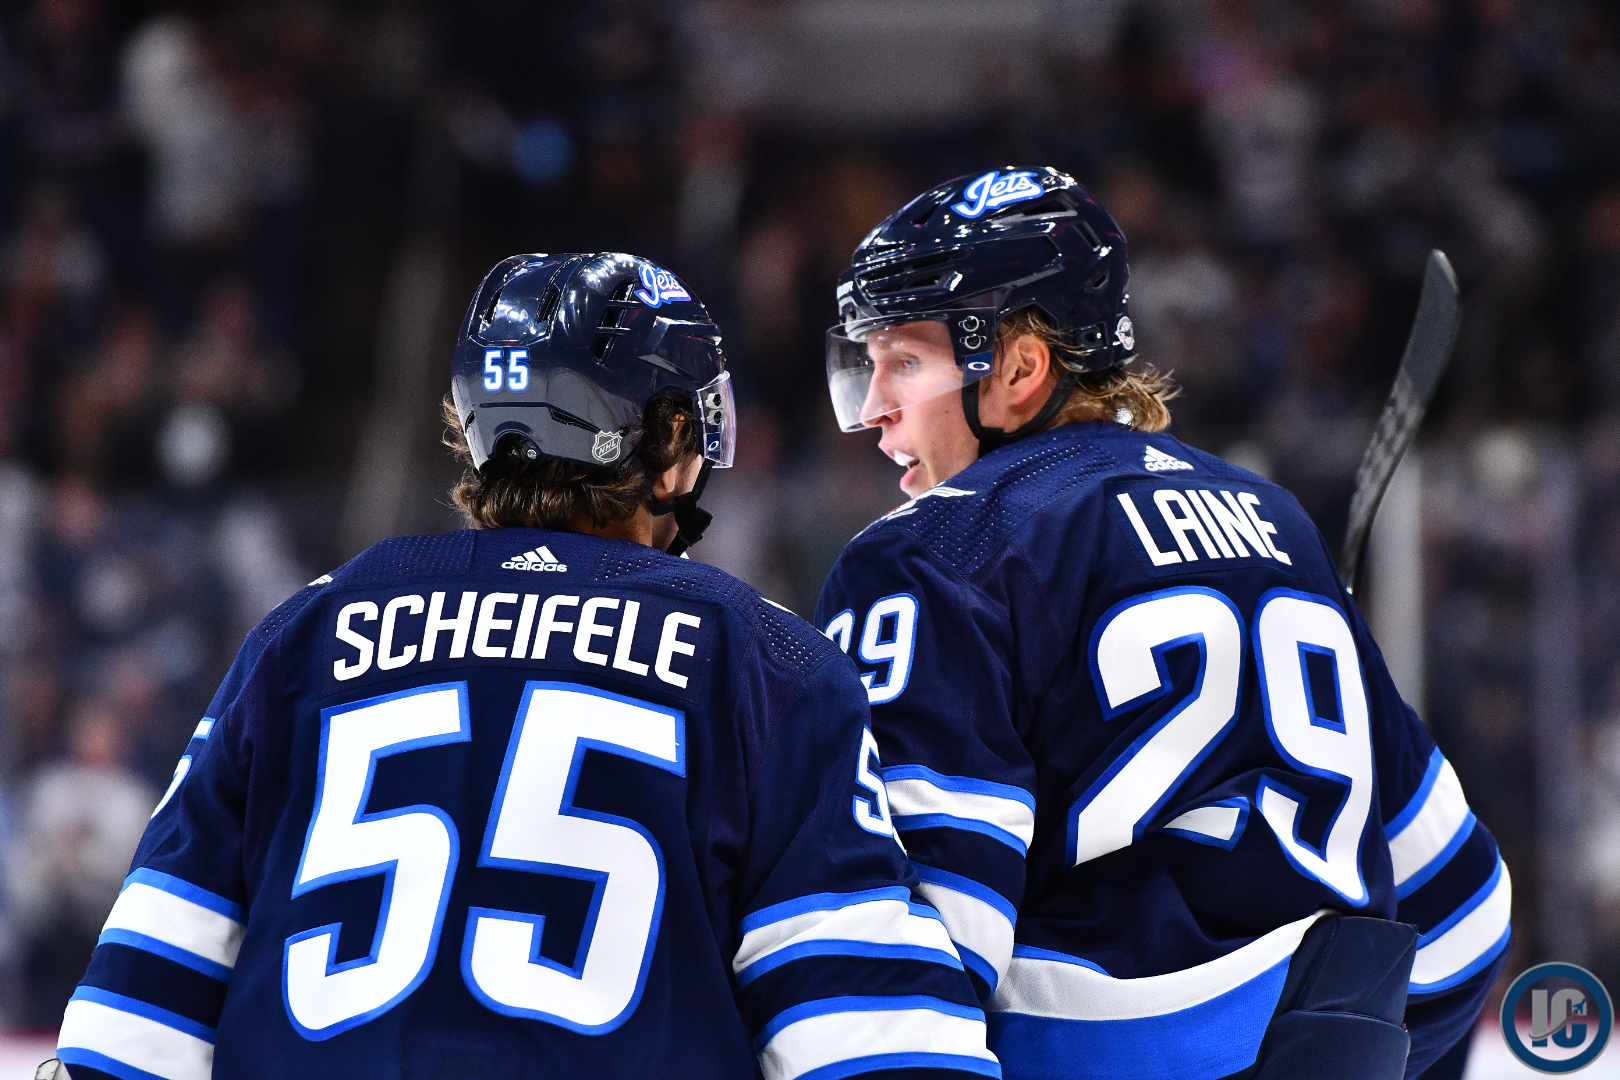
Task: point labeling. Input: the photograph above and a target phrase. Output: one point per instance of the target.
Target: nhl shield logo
(606, 446)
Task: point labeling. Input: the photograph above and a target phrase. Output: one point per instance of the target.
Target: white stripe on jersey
(1427, 833)
(1036, 986)
(856, 927)
(974, 925)
(1456, 948)
(1216, 822)
(960, 802)
(836, 1038)
(131, 1040)
(153, 913)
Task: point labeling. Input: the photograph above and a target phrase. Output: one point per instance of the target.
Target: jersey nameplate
(1174, 526)
(603, 631)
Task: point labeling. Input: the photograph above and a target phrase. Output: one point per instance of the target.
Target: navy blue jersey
(1137, 739)
(526, 804)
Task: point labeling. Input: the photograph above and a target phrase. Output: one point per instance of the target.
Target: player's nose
(879, 406)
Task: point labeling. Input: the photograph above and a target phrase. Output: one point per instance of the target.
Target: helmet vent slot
(928, 204)
(488, 314)
(912, 275)
(1098, 280)
(1090, 234)
(600, 348)
(624, 292)
(548, 306)
(614, 317)
(1039, 208)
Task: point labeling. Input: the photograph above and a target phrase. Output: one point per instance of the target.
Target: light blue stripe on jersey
(956, 882)
(907, 822)
(820, 902)
(827, 1006)
(90, 1059)
(1062, 958)
(914, 1060)
(1207, 1041)
(977, 964)
(136, 1007)
(185, 890)
(1430, 829)
(1468, 940)
(1437, 761)
(146, 943)
(1438, 863)
(921, 798)
(836, 947)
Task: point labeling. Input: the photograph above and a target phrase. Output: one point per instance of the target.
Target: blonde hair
(1137, 396)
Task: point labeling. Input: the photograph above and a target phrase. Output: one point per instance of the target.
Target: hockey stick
(1428, 350)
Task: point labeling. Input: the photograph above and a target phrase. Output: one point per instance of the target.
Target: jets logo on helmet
(994, 190)
(659, 287)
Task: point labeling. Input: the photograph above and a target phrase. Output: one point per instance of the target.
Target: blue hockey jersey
(1137, 740)
(526, 804)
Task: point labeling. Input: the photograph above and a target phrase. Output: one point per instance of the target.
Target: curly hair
(512, 492)
(1138, 395)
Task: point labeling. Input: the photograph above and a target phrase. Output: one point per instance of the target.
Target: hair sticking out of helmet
(965, 256)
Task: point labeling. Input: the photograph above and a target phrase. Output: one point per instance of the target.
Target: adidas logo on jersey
(540, 558)
(1156, 460)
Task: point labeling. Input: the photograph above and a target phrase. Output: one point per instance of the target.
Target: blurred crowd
(202, 206)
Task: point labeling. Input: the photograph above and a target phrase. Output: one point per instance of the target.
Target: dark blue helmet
(967, 254)
(559, 355)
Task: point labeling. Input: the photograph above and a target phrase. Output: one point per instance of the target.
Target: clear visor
(717, 412)
(877, 367)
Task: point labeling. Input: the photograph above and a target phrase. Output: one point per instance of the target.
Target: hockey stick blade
(1428, 350)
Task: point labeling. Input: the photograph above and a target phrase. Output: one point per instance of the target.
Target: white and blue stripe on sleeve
(873, 923)
(981, 920)
(1428, 831)
(839, 1037)
(921, 798)
(1468, 939)
(130, 1038)
(177, 920)
(172, 918)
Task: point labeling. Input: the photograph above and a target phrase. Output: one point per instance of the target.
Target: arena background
(236, 239)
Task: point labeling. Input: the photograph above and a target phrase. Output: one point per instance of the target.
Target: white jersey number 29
(533, 826)
(1127, 658)
(888, 640)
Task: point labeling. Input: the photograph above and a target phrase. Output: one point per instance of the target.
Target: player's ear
(1026, 363)
(677, 479)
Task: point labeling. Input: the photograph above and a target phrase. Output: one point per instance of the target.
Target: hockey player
(535, 799)
(1138, 741)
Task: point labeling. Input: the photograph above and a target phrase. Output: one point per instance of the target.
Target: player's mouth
(906, 462)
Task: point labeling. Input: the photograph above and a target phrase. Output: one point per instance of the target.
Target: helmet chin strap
(690, 518)
(991, 438)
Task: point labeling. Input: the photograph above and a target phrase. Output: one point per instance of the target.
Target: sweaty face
(915, 397)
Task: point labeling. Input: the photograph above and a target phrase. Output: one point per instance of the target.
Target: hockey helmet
(559, 355)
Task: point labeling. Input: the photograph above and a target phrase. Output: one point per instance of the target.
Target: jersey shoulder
(783, 640)
(964, 522)
(398, 558)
